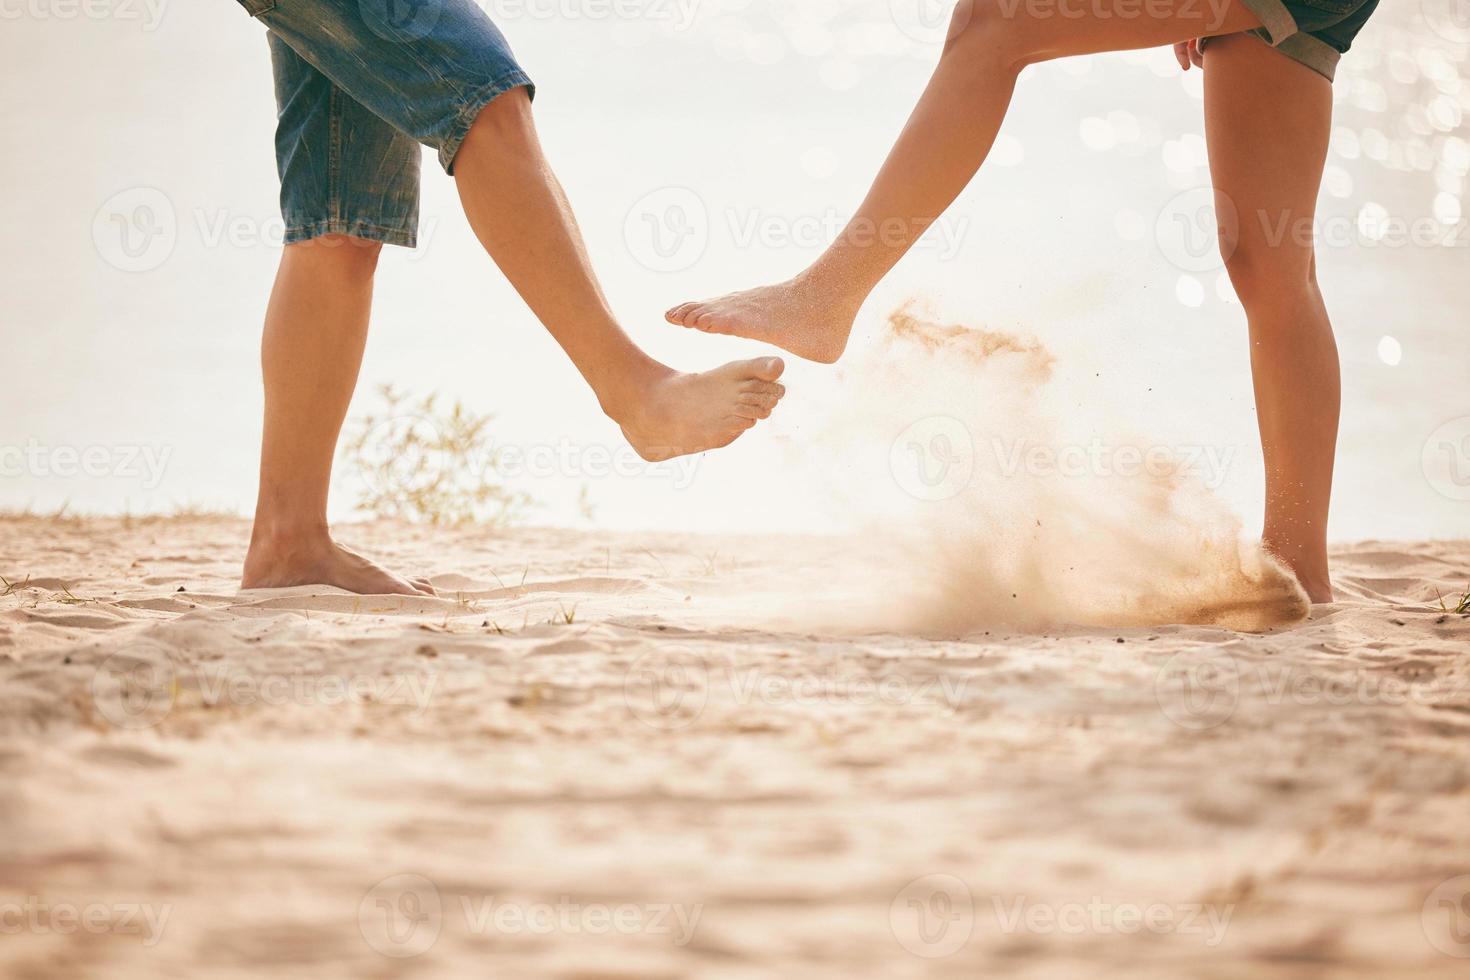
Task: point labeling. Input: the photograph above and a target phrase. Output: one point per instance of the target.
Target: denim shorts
(1315, 32)
(359, 85)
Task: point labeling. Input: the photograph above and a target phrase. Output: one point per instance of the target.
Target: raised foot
(809, 322)
(680, 414)
(283, 562)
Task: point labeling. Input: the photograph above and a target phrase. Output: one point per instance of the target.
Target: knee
(1266, 277)
(993, 29)
(505, 121)
(336, 257)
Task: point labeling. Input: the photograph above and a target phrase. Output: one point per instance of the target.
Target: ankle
(623, 391)
(820, 282)
(1316, 584)
(1318, 592)
(834, 280)
(289, 537)
(1309, 568)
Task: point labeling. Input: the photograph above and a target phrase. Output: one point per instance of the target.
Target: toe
(752, 409)
(756, 376)
(678, 314)
(768, 368)
(772, 388)
(764, 401)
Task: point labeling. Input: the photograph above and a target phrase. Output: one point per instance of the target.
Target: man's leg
(944, 143)
(452, 83)
(315, 330)
(521, 216)
(1267, 120)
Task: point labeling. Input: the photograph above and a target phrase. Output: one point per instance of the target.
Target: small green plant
(423, 464)
(661, 566)
(1462, 605)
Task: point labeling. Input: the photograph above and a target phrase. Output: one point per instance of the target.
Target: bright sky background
(768, 114)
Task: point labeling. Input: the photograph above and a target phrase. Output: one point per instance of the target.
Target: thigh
(1268, 119)
(343, 169)
(427, 67)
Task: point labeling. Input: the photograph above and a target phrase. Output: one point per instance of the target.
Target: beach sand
(602, 755)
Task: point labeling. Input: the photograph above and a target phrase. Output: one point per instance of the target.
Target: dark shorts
(360, 85)
(1314, 32)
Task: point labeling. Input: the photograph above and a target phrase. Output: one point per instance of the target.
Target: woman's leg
(315, 330)
(944, 143)
(1267, 121)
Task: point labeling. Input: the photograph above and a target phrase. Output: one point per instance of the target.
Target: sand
(605, 755)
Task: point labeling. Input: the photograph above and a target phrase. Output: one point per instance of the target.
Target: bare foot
(809, 322)
(282, 562)
(678, 414)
